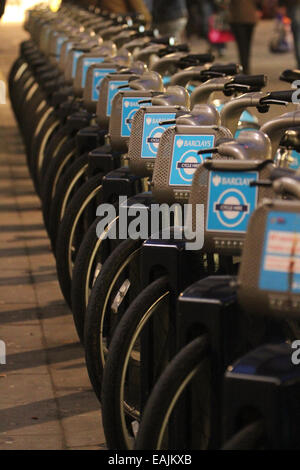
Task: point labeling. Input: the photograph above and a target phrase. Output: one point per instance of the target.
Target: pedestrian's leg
(294, 14)
(237, 30)
(248, 29)
(243, 37)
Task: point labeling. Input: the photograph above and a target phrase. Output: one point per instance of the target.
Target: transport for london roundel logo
(231, 208)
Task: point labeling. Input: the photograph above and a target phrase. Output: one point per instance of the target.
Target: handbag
(219, 29)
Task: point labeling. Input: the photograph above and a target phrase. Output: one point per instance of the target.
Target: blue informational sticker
(98, 75)
(152, 132)
(86, 63)
(185, 158)
(112, 91)
(59, 42)
(130, 106)
(280, 268)
(231, 201)
(295, 165)
(76, 55)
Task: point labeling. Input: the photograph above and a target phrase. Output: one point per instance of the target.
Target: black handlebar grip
(284, 173)
(226, 69)
(290, 76)
(161, 40)
(256, 81)
(202, 58)
(284, 95)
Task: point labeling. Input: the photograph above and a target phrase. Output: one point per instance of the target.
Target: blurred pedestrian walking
(292, 9)
(243, 16)
(127, 6)
(2, 7)
(170, 17)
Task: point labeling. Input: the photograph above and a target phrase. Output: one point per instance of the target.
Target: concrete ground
(46, 400)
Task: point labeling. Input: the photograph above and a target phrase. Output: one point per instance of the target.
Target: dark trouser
(243, 33)
(294, 14)
(2, 7)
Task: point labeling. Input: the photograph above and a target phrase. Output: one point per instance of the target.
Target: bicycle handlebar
(195, 59)
(277, 127)
(282, 96)
(287, 185)
(250, 145)
(225, 69)
(253, 81)
(284, 173)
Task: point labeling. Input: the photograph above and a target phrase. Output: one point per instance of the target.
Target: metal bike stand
(266, 383)
(209, 307)
(182, 267)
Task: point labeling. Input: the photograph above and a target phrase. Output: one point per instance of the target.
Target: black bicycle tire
(76, 206)
(62, 197)
(50, 180)
(53, 147)
(92, 327)
(111, 386)
(165, 390)
(41, 139)
(249, 437)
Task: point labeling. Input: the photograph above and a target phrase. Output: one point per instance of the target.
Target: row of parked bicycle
(187, 346)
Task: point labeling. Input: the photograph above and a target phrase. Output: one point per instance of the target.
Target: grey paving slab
(46, 401)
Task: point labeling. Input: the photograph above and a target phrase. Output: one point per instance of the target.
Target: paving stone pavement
(46, 401)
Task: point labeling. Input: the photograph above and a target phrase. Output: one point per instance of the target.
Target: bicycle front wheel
(183, 390)
(122, 380)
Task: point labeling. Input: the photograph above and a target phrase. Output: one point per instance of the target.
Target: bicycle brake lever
(262, 183)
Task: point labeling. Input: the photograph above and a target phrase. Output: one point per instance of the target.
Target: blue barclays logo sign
(76, 55)
(280, 268)
(185, 158)
(231, 201)
(87, 62)
(98, 75)
(113, 89)
(130, 106)
(152, 132)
